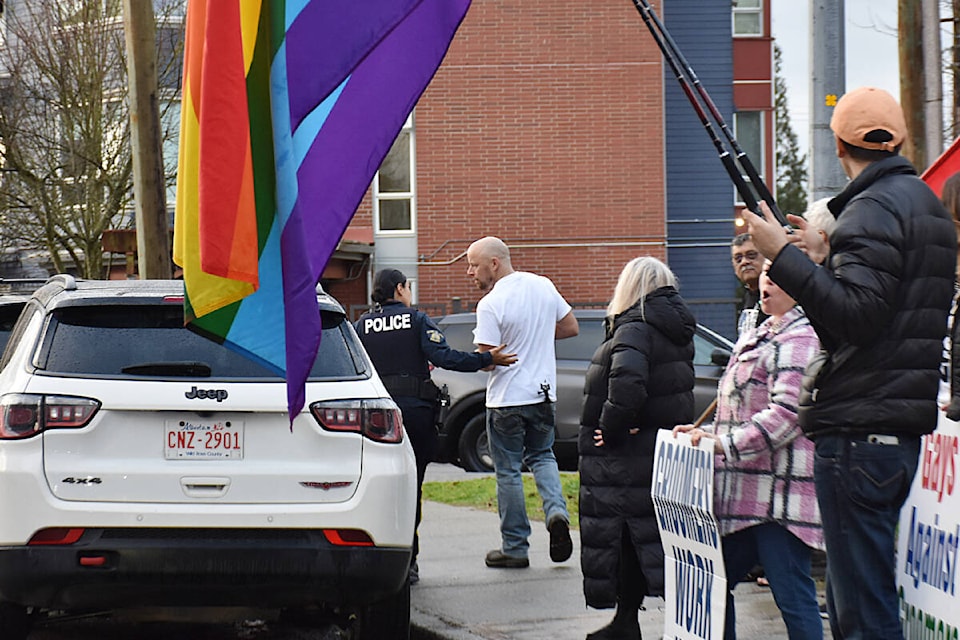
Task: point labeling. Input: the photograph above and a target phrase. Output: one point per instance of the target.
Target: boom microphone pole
(682, 69)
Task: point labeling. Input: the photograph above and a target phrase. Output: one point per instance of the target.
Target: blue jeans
(523, 436)
(786, 564)
(860, 488)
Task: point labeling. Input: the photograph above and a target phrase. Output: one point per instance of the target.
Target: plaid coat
(767, 475)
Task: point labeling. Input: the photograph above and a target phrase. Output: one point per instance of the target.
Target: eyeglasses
(746, 255)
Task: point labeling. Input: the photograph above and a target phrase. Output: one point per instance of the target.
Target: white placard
(695, 578)
(928, 538)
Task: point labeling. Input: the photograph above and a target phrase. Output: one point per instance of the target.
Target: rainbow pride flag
(289, 107)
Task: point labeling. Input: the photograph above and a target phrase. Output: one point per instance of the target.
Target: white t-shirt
(521, 311)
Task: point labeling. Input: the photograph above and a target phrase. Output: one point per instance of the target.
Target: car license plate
(203, 440)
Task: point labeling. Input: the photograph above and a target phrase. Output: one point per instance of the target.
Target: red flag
(942, 168)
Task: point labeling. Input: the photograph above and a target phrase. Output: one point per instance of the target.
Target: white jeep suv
(144, 465)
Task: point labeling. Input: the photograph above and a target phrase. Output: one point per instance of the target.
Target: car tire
(474, 446)
(387, 618)
(14, 621)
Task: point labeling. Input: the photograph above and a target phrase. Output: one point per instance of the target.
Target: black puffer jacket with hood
(641, 377)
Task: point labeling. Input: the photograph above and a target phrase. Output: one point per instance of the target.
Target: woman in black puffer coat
(951, 202)
(640, 380)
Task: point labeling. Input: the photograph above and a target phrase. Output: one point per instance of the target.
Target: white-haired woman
(815, 227)
(640, 380)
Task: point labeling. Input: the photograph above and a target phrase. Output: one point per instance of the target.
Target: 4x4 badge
(87, 480)
(218, 394)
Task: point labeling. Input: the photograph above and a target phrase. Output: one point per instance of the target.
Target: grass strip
(481, 493)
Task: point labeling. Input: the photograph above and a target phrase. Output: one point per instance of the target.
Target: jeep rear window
(134, 341)
(9, 312)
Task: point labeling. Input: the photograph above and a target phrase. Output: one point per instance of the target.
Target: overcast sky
(871, 45)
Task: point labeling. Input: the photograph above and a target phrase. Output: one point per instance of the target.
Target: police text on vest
(387, 323)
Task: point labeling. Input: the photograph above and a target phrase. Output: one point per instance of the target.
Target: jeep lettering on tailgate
(218, 394)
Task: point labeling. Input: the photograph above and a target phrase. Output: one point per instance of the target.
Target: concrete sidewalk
(459, 598)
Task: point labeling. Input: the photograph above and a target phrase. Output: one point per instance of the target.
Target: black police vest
(392, 338)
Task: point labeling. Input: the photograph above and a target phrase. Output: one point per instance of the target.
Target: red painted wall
(753, 85)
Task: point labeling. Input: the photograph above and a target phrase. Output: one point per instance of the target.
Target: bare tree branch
(65, 128)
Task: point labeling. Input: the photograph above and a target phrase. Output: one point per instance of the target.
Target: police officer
(402, 342)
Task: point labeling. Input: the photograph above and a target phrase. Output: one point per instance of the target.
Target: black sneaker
(561, 546)
(414, 573)
(497, 559)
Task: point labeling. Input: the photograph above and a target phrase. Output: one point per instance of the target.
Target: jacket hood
(663, 309)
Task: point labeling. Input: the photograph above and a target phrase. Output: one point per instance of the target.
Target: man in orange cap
(879, 305)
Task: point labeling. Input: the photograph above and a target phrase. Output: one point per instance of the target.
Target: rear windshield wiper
(179, 369)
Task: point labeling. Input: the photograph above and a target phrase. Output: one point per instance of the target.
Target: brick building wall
(544, 126)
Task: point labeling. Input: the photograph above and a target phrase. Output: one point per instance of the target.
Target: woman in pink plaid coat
(764, 495)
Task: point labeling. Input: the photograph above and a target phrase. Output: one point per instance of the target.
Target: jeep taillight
(23, 415)
(377, 419)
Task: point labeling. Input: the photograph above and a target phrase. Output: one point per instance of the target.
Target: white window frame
(758, 163)
(411, 195)
(738, 10)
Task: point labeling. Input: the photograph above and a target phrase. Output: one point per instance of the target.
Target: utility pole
(933, 81)
(153, 233)
(827, 84)
(955, 112)
(912, 92)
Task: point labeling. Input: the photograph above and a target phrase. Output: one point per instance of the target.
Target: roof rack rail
(67, 281)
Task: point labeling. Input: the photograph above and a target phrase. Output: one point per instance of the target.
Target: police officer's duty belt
(411, 387)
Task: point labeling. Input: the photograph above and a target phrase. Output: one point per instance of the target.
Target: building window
(169, 37)
(748, 130)
(169, 140)
(747, 17)
(393, 186)
(170, 8)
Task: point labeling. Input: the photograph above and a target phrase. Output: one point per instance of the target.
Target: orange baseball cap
(869, 118)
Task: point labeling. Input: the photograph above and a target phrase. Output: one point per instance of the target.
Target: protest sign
(695, 579)
(928, 539)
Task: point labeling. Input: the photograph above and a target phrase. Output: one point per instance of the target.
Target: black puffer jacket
(640, 377)
(879, 305)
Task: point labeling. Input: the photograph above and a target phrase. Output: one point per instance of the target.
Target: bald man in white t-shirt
(525, 312)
